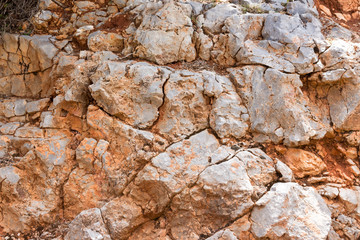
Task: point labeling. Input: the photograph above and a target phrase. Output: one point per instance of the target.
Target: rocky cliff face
(180, 120)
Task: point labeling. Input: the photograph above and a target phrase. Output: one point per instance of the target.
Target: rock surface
(181, 120)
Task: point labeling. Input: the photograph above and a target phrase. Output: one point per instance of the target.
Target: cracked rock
(291, 211)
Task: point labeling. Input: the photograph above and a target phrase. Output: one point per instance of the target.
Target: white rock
(88, 225)
(289, 210)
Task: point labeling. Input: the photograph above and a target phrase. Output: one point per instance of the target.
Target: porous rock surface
(179, 120)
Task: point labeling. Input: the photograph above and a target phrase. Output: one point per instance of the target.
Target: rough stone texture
(228, 196)
(304, 163)
(102, 41)
(88, 225)
(277, 106)
(303, 213)
(165, 35)
(121, 217)
(98, 143)
(134, 94)
(185, 108)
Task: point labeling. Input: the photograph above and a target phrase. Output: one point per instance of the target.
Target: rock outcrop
(180, 120)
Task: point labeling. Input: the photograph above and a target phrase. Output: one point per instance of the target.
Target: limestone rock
(260, 168)
(164, 38)
(140, 146)
(121, 217)
(291, 211)
(227, 116)
(304, 163)
(150, 230)
(134, 95)
(175, 169)
(88, 225)
(285, 171)
(184, 111)
(102, 41)
(228, 196)
(285, 115)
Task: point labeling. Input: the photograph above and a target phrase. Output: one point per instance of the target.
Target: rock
(223, 234)
(353, 138)
(288, 29)
(293, 123)
(164, 38)
(29, 132)
(9, 128)
(81, 35)
(226, 116)
(166, 47)
(350, 198)
(85, 153)
(149, 231)
(304, 163)
(228, 190)
(121, 217)
(88, 225)
(303, 213)
(134, 95)
(42, 19)
(215, 17)
(86, 5)
(19, 107)
(86, 188)
(285, 171)
(140, 146)
(102, 41)
(10, 42)
(260, 169)
(344, 105)
(173, 170)
(37, 106)
(329, 192)
(43, 50)
(184, 111)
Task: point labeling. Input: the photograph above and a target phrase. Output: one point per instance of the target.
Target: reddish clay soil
(344, 12)
(118, 23)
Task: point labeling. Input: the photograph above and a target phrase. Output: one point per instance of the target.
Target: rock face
(180, 120)
(303, 213)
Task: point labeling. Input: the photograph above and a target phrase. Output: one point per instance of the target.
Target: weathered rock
(185, 108)
(285, 171)
(131, 92)
(303, 213)
(88, 225)
(285, 115)
(139, 146)
(173, 170)
(121, 217)
(102, 41)
(228, 196)
(164, 38)
(304, 163)
(260, 168)
(32, 186)
(37, 106)
(150, 230)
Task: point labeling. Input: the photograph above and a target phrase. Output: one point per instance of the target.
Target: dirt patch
(118, 23)
(331, 151)
(199, 65)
